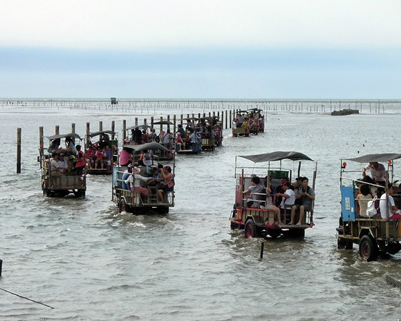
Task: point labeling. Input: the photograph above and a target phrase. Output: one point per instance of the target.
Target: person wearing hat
(135, 181)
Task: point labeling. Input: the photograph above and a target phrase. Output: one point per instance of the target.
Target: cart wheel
(368, 248)
(250, 229)
(121, 205)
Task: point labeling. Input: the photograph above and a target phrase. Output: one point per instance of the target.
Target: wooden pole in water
(168, 119)
(136, 121)
(1, 267)
(73, 128)
(161, 124)
(261, 250)
(145, 122)
(174, 124)
(226, 119)
(41, 143)
(88, 131)
(100, 126)
(18, 150)
(151, 122)
(182, 119)
(124, 129)
(231, 119)
(57, 130)
(113, 129)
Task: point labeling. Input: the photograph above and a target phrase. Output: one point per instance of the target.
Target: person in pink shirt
(125, 157)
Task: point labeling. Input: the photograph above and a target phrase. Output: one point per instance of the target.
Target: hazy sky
(200, 49)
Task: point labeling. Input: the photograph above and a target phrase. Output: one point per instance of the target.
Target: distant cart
(374, 235)
(55, 183)
(131, 201)
(104, 140)
(258, 124)
(259, 221)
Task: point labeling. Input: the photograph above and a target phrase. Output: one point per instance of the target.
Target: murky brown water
(91, 263)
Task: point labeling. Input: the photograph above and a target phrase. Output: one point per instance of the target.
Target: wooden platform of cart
(187, 151)
(99, 171)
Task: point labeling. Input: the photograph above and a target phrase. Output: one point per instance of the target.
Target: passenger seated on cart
(307, 197)
(254, 191)
(364, 196)
(62, 164)
(269, 203)
(80, 162)
(181, 131)
(277, 191)
(388, 207)
(135, 180)
(55, 168)
(166, 184)
(108, 157)
(288, 198)
(195, 141)
(370, 182)
(153, 183)
(167, 139)
(240, 119)
(100, 154)
(180, 144)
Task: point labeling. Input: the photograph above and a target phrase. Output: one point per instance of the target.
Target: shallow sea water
(91, 263)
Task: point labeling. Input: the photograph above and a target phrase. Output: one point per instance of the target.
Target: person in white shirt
(387, 207)
(288, 197)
